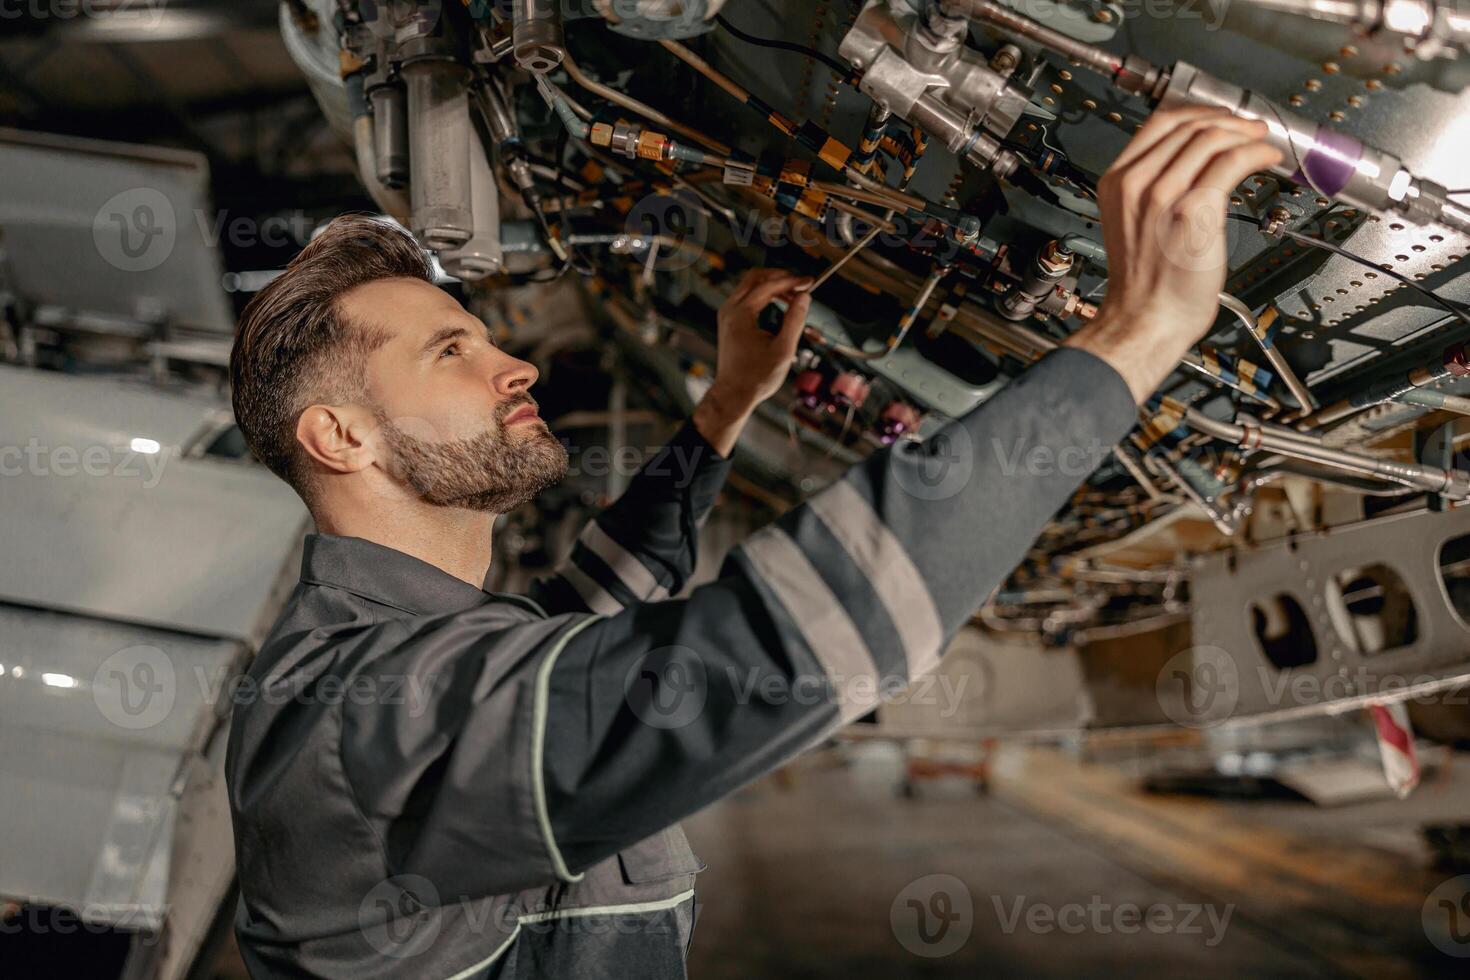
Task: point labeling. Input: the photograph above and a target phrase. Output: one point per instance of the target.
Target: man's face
(458, 422)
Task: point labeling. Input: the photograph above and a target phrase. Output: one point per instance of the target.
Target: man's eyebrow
(441, 335)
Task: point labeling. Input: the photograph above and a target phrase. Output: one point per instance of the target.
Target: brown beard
(496, 471)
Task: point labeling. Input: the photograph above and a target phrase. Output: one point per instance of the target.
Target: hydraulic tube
(1332, 163)
(1454, 362)
(1326, 160)
(1430, 27)
(1454, 484)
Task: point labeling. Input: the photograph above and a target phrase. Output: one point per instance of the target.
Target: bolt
(1006, 59)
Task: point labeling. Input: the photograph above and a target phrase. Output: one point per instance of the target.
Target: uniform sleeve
(561, 742)
(643, 547)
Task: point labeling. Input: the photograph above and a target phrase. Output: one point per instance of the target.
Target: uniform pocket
(659, 857)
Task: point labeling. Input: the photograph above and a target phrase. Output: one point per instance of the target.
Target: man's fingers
(746, 282)
(1229, 168)
(754, 278)
(1162, 156)
(797, 308)
(1183, 172)
(768, 289)
(1159, 125)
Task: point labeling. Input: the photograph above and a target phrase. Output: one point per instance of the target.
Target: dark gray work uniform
(435, 782)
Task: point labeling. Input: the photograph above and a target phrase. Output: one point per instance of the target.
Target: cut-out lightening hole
(1283, 631)
(1454, 571)
(1372, 609)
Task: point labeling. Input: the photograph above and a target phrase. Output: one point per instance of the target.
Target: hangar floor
(810, 876)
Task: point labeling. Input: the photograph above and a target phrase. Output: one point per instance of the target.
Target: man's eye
(451, 350)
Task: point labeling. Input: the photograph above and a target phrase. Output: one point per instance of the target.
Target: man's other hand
(1163, 207)
(751, 364)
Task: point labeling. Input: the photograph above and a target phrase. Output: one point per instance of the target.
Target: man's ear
(333, 435)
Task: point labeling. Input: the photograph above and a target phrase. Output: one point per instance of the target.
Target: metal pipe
(905, 323)
(1260, 332)
(1273, 471)
(1428, 26)
(1135, 469)
(1226, 522)
(1428, 398)
(1200, 364)
(1454, 484)
(1454, 361)
(1329, 162)
(847, 256)
(575, 124)
(1130, 73)
(633, 105)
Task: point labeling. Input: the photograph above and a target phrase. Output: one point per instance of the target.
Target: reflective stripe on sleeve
(820, 617)
(887, 565)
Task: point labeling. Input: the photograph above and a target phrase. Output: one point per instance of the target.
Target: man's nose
(511, 375)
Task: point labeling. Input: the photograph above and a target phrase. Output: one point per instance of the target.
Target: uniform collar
(385, 575)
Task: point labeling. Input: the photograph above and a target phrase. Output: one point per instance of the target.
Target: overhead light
(141, 445)
(58, 680)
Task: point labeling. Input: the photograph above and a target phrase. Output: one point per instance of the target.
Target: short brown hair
(294, 348)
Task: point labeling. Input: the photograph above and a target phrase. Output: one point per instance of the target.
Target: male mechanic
(439, 782)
